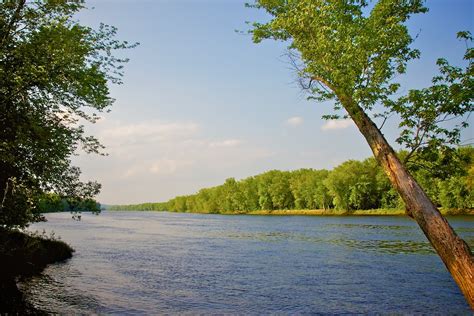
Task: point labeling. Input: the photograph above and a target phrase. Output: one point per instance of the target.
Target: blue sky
(201, 103)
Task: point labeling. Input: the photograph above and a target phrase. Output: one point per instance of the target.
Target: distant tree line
(51, 202)
(447, 176)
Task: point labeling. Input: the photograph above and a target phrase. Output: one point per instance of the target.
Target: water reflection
(62, 296)
(371, 226)
(272, 236)
(389, 246)
(382, 246)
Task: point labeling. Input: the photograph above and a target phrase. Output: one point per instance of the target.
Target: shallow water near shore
(153, 262)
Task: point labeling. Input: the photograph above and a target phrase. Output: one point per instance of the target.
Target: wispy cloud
(294, 121)
(154, 151)
(336, 124)
(226, 143)
(169, 166)
(146, 132)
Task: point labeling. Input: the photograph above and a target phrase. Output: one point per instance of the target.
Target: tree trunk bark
(454, 252)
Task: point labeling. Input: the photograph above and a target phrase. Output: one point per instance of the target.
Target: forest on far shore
(447, 177)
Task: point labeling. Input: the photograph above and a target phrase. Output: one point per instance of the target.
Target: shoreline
(24, 255)
(320, 212)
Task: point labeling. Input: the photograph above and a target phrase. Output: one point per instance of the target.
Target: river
(158, 263)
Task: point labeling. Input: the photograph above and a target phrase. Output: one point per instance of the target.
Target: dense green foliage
(54, 76)
(50, 203)
(353, 185)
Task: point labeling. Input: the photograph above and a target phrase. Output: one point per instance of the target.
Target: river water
(168, 263)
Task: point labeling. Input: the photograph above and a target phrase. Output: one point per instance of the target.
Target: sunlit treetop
(355, 49)
(345, 50)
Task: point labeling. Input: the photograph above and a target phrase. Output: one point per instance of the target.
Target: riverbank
(23, 255)
(378, 212)
(375, 212)
(321, 212)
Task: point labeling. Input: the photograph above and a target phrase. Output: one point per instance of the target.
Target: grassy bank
(328, 212)
(375, 212)
(23, 255)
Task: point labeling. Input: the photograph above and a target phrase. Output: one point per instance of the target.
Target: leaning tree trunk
(454, 252)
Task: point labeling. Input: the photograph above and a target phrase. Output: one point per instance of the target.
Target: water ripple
(162, 263)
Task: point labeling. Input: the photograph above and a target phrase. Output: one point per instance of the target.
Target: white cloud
(294, 121)
(130, 172)
(147, 132)
(337, 124)
(168, 166)
(163, 166)
(176, 157)
(226, 143)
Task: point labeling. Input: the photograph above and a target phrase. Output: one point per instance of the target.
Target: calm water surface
(152, 263)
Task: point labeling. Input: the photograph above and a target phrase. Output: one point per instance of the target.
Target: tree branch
(14, 19)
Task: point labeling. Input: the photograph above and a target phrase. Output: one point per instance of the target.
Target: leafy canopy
(344, 52)
(354, 49)
(54, 76)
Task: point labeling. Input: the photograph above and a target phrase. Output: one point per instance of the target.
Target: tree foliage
(51, 202)
(353, 185)
(54, 76)
(432, 118)
(343, 49)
